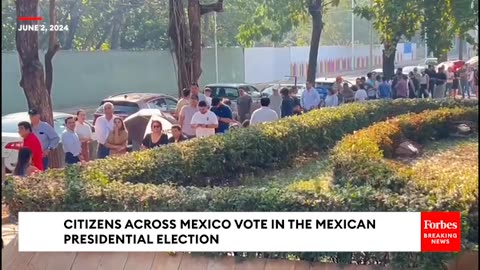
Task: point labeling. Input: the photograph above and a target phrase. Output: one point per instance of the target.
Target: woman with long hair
(24, 165)
(84, 133)
(117, 140)
(156, 138)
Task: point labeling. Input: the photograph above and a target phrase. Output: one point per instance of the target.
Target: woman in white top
(332, 99)
(84, 133)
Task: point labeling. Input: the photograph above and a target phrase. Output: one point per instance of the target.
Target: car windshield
(323, 85)
(224, 92)
(121, 107)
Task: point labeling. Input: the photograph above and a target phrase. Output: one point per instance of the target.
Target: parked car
(430, 61)
(269, 90)
(455, 65)
(328, 83)
(378, 71)
(126, 104)
(231, 92)
(11, 140)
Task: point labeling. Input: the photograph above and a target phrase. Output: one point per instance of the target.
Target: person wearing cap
(204, 121)
(103, 126)
(45, 133)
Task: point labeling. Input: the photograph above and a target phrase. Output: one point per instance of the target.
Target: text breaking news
(239, 231)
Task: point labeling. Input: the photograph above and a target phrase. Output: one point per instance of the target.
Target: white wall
(273, 64)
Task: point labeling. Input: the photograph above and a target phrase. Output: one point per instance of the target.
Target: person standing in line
(177, 135)
(417, 74)
(287, 103)
(103, 126)
(401, 86)
(432, 75)
(208, 96)
(337, 86)
(45, 133)
(156, 138)
(264, 113)
(24, 166)
(224, 115)
(471, 78)
(464, 80)
(449, 84)
(117, 140)
(186, 115)
(72, 147)
(310, 98)
(440, 82)
(182, 102)
(413, 85)
(195, 90)
(348, 94)
(424, 85)
(31, 142)
(384, 90)
(297, 108)
(361, 94)
(276, 101)
(455, 85)
(244, 104)
(84, 132)
(332, 99)
(204, 121)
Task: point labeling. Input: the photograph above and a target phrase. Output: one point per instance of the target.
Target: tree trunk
(388, 55)
(75, 13)
(116, 29)
(195, 38)
(460, 48)
(32, 73)
(315, 10)
(178, 33)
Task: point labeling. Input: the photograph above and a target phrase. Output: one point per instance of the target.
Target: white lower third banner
(238, 231)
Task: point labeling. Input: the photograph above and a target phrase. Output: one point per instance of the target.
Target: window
(225, 92)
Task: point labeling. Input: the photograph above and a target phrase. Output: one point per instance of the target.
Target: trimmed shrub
(217, 160)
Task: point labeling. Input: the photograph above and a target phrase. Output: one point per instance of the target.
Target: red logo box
(441, 232)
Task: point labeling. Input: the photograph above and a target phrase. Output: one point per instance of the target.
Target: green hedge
(361, 159)
(219, 159)
(74, 192)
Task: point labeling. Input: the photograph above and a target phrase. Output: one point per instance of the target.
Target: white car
(328, 83)
(269, 90)
(11, 140)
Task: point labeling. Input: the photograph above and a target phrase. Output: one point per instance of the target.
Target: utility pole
(353, 35)
(370, 30)
(216, 45)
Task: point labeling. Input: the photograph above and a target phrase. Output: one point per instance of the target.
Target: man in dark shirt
(223, 113)
(177, 135)
(430, 71)
(244, 104)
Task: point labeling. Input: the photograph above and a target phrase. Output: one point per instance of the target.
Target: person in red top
(31, 141)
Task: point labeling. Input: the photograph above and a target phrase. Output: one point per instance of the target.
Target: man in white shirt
(103, 127)
(208, 96)
(310, 98)
(361, 95)
(204, 121)
(263, 114)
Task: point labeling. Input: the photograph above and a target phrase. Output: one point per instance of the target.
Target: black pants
(71, 159)
(423, 91)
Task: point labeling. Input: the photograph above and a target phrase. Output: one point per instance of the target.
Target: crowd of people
(201, 115)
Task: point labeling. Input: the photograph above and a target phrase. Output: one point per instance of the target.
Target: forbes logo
(440, 232)
(440, 225)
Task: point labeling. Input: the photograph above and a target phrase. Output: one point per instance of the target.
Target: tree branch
(215, 7)
(53, 47)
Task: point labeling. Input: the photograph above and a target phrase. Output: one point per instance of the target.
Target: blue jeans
(465, 86)
(71, 159)
(45, 163)
(103, 151)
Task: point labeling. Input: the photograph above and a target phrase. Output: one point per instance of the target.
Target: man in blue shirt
(384, 89)
(224, 115)
(45, 133)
